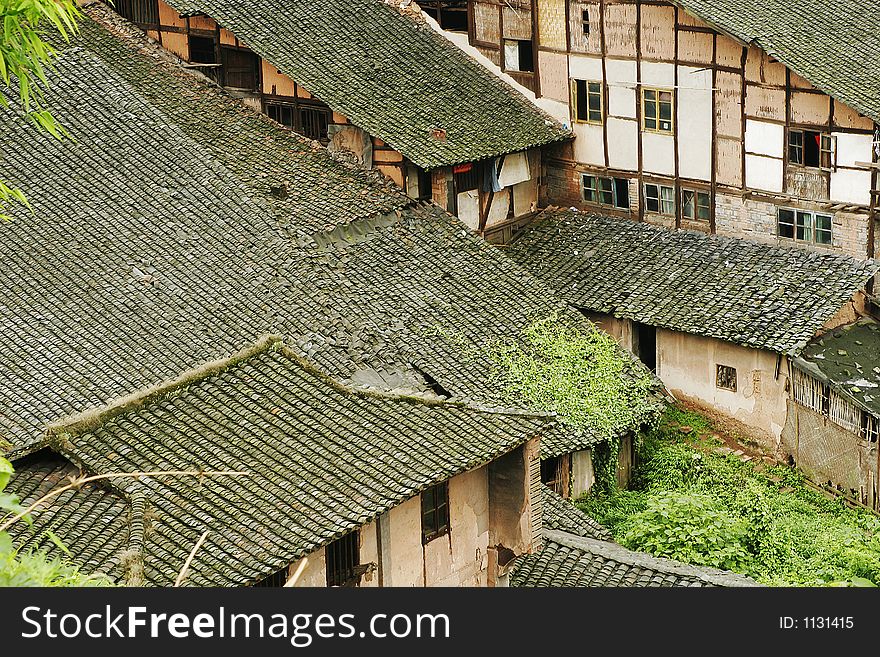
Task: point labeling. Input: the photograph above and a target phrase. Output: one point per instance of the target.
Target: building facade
(689, 123)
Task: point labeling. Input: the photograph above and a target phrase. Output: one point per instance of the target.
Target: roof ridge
(90, 419)
(619, 553)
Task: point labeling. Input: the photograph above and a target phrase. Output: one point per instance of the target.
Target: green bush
(691, 528)
(706, 508)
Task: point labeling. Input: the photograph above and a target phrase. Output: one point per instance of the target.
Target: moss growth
(703, 507)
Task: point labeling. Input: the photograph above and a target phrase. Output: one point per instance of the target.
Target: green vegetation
(581, 374)
(33, 568)
(693, 504)
(25, 55)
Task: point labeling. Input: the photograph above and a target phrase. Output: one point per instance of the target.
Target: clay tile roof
(393, 76)
(835, 44)
(159, 241)
(848, 359)
(759, 296)
(567, 560)
(560, 514)
(323, 459)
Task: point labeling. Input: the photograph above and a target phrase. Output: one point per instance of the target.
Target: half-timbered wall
(734, 112)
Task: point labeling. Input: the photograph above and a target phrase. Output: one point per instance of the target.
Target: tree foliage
(33, 568)
(26, 53)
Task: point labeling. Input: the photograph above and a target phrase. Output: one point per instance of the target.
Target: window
(343, 558)
(725, 377)
(201, 50)
(313, 122)
(275, 580)
(435, 512)
(465, 177)
(452, 15)
(695, 205)
(613, 192)
(809, 148)
(660, 198)
(239, 68)
(519, 56)
(803, 226)
(144, 12)
(657, 110)
(586, 101)
(310, 122)
(585, 21)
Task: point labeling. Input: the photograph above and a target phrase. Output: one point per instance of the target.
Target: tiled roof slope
(562, 515)
(848, 359)
(323, 460)
(567, 560)
(100, 518)
(394, 77)
(835, 44)
(731, 289)
(179, 252)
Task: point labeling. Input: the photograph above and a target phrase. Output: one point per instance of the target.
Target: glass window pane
(704, 206)
(650, 95)
(652, 198)
(823, 229)
(785, 223)
(590, 188)
(667, 200)
(687, 204)
(650, 109)
(666, 111)
(804, 226)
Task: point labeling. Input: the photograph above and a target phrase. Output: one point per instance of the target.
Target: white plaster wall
(764, 138)
(658, 74)
(621, 87)
(405, 563)
(850, 186)
(763, 173)
(584, 67)
(623, 144)
(695, 123)
(658, 153)
(687, 365)
(589, 145)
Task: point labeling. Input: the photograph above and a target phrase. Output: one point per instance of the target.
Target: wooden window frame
(797, 152)
(438, 508)
(696, 193)
(725, 377)
(657, 102)
(598, 190)
(659, 198)
(531, 62)
(598, 90)
(805, 222)
(585, 21)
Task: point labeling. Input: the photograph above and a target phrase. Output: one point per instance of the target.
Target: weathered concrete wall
(315, 572)
(687, 365)
(583, 475)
